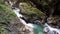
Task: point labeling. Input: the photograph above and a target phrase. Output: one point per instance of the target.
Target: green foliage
(28, 9)
(6, 14)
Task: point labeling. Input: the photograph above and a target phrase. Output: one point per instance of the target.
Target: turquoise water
(38, 29)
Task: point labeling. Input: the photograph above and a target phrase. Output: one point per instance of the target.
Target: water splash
(51, 28)
(17, 10)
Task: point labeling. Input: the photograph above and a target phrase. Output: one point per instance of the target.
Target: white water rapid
(17, 10)
(51, 29)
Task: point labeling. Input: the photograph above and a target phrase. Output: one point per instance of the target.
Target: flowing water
(38, 29)
(52, 29)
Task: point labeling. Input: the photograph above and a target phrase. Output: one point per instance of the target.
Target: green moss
(3, 31)
(28, 9)
(6, 14)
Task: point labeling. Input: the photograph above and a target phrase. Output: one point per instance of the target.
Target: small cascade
(51, 29)
(28, 26)
(17, 10)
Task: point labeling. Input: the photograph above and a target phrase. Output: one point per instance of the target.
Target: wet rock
(54, 21)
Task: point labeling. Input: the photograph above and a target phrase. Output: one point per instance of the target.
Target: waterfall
(17, 10)
(51, 28)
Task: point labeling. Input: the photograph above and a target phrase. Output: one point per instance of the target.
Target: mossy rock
(29, 10)
(7, 18)
(6, 14)
(3, 31)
